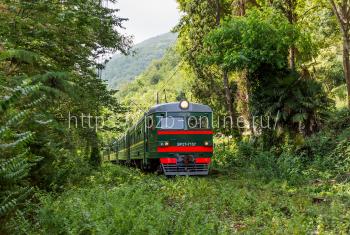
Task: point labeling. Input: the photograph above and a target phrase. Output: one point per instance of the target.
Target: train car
(174, 138)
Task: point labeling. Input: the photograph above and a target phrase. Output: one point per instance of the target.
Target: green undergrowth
(119, 200)
(299, 187)
(323, 156)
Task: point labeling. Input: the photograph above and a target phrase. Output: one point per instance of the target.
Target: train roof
(175, 107)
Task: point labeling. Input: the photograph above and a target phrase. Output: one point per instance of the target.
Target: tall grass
(294, 188)
(119, 200)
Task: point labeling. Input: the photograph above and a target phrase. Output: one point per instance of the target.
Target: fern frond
(17, 93)
(6, 207)
(41, 122)
(35, 102)
(21, 56)
(29, 89)
(11, 201)
(22, 139)
(57, 80)
(16, 119)
(9, 167)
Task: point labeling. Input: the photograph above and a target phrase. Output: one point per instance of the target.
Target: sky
(148, 18)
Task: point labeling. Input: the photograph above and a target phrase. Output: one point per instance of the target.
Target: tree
(244, 44)
(199, 19)
(15, 157)
(300, 103)
(67, 39)
(289, 9)
(49, 52)
(67, 36)
(18, 112)
(341, 10)
(258, 44)
(240, 6)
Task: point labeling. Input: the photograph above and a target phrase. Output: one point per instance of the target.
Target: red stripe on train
(168, 160)
(203, 160)
(185, 149)
(185, 132)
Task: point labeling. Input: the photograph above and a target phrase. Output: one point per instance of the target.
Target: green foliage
(88, 28)
(21, 56)
(21, 107)
(32, 45)
(332, 73)
(321, 156)
(258, 46)
(123, 69)
(16, 159)
(339, 94)
(328, 151)
(256, 49)
(164, 77)
(117, 200)
(198, 19)
(299, 105)
(48, 57)
(263, 37)
(49, 53)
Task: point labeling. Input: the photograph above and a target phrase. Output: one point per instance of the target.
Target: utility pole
(166, 101)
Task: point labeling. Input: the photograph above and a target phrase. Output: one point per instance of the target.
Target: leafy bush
(16, 159)
(324, 155)
(117, 200)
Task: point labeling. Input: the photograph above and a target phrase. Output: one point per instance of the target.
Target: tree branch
(338, 15)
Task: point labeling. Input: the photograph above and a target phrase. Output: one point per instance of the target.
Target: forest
(284, 61)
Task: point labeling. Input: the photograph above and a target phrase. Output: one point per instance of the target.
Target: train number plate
(186, 144)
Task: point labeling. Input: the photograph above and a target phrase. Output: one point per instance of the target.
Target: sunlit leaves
(263, 37)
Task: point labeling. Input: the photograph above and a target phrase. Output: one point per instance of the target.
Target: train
(171, 138)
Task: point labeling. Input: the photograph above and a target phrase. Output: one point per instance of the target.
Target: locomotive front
(181, 138)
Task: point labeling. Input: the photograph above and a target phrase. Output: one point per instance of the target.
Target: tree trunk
(95, 158)
(243, 97)
(292, 58)
(248, 107)
(229, 103)
(242, 7)
(228, 94)
(290, 12)
(218, 12)
(343, 17)
(346, 64)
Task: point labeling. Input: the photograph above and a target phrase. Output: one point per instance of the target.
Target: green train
(174, 138)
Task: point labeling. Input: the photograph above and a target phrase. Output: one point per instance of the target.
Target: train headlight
(184, 104)
(206, 143)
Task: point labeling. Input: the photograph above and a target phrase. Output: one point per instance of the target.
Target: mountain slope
(164, 76)
(121, 69)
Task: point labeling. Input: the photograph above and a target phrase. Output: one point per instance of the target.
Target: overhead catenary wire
(162, 87)
(138, 106)
(172, 76)
(167, 81)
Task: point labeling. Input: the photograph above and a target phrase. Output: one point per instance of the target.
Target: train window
(149, 122)
(198, 122)
(172, 123)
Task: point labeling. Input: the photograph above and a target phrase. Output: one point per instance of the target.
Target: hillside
(121, 68)
(163, 76)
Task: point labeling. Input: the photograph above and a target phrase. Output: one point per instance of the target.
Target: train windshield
(172, 123)
(198, 122)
